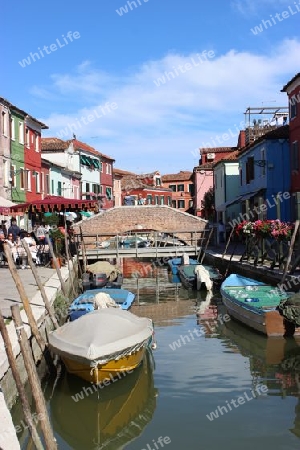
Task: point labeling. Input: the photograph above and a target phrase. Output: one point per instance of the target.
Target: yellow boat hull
(105, 373)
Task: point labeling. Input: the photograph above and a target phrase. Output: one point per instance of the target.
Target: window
(191, 189)
(21, 132)
(180, 188)
(191, 204)
(108, 169)
(27, 141)
(38, 181)
(12, 175)
(181, 204)
(47, 184)
(156, 199)
(173, 187)
(149, 199)
(293, 107)
(109, 193)
(158, 182)
(42, 182)
(250, 169)
(96, 188)
(12, 129)
(22, 179)
(28, 180)
(52, 187)
(173, 203)
(263, 158)
(162, 200)
(169, 200)
(295, 156)
(59, 188)
(4, 123)
(87, 190)
(36, 142)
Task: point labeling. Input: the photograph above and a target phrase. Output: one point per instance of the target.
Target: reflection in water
(274, 362)
(152, 283)
(109, 422)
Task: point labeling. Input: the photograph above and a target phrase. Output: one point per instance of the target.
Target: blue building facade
(265, 177)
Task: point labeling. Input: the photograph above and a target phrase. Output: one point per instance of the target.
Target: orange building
(182, 186)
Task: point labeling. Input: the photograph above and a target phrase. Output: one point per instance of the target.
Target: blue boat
(84, 303)
(174, 263)
(257, 305)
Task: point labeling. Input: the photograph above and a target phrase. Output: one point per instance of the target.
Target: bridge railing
(138, 239)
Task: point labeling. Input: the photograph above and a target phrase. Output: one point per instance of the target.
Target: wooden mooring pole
(20, 387)
(297, 223)
(28, 310)
(33, 325)
(40, 284)
(34, 380)
(54, 259)
(206, 245)
(228, 241)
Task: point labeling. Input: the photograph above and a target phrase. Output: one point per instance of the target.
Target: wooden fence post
(33, 325)
(62, 283)
(297, 223)
(34, 380)
(40, 285)
(20, 387)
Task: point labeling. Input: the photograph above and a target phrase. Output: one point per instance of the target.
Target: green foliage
(58, 241)
(208, 201)
(52, 219)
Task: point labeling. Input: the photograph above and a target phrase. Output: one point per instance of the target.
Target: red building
(107, 181)
(35, 181)
(292, 88)
(214, 154)
(148, 187)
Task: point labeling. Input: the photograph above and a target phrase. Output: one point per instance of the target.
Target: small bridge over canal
(141, 232)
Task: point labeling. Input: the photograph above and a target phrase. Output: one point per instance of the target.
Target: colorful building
(292, 88)
(182, 187)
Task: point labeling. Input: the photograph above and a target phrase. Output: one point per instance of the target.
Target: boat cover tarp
(110, 270)
(238, 280)
(100, 336)
(290, 309)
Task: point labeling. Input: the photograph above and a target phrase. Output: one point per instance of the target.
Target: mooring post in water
(83, 251)
(206, 245)
(297, 223)
(40, 284)
(23, 296)
(20, 387)
(34, 380)
(227, 243)
(27, 307)
(68, 258)
(54, 259)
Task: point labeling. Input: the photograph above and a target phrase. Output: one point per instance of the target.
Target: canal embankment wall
(8, 392)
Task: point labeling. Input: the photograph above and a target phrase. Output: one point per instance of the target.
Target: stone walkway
(9, 294)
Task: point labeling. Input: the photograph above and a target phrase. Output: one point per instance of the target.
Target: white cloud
(159, 127)
(252, 7)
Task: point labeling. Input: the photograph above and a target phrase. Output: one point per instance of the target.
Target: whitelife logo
(48, 49)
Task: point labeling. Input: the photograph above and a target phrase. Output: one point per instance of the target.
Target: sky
(148, 82)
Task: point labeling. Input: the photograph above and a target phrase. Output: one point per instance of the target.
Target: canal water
(210, 384)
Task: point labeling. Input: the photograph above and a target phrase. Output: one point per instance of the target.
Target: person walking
(14, 230)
